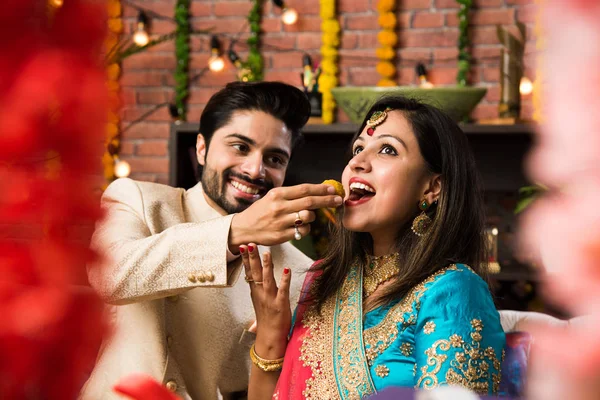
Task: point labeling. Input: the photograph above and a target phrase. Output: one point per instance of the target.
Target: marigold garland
(113, 73)
(388, 39)
(386, 6)
(330, 28)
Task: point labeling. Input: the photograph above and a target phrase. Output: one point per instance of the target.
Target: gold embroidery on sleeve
(382, 371)
(429, 327)
(406, 349)
(469, 368)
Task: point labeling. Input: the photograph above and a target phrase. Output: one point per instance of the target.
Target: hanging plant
(252, 69)
(464, 58)
(330, 28)
(388, 39)
(182, 56)
(254, 64)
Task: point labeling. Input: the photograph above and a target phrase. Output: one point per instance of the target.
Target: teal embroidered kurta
(445, 331)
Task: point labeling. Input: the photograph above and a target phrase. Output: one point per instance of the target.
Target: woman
(398, 300)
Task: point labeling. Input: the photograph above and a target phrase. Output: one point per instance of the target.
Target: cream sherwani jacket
(180, 312)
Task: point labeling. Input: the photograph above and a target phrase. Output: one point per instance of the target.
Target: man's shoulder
(292, 255)
(128, 187)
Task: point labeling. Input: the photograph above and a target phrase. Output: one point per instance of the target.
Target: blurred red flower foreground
(52, 118)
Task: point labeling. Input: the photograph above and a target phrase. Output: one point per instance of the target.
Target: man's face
(245, 159)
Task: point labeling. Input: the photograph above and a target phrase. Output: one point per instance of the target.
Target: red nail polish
(250, 248)
(242, 250)
(286, 271)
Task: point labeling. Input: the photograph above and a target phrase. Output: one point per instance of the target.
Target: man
(171, 264)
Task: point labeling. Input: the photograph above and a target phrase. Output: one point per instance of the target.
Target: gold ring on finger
(298, 221)
(258, 282)
(249, 280)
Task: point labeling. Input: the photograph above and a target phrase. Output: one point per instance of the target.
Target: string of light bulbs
(216, 62)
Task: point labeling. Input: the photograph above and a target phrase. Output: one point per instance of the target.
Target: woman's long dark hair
(457, 232)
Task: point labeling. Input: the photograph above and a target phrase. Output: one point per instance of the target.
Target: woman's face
(386, 178)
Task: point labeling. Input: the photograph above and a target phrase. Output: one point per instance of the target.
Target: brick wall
(427, 30)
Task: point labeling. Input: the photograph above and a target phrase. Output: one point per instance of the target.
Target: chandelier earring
(422, 222)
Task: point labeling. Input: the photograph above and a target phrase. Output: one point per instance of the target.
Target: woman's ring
(249, 280)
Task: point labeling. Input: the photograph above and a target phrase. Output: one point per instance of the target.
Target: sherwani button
(201, 277)
(192, 278)
(210, 277)
(172, 386)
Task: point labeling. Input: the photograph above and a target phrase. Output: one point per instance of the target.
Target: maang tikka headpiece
(376, 119)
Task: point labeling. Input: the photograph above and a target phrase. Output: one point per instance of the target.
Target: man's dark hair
(284, 102)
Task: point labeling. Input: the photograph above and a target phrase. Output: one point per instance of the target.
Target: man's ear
(201, 149)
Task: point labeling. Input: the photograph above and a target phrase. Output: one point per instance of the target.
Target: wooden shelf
(469, 129)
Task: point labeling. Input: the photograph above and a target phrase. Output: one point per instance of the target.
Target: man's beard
(214, 187)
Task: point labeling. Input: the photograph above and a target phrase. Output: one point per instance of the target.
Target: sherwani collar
(200, 210)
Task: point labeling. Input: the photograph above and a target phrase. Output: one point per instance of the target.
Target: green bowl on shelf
(456, 101)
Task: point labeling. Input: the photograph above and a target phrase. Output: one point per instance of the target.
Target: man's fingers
(305, 215)
(304, 230)
(306, 189)
(314, 202)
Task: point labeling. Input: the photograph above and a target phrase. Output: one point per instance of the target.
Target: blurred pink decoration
(563, 230)
(143, 387)
(569, 144)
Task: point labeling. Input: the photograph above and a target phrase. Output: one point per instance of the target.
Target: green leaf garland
(464, 58)
(182, 55)
(254, 65)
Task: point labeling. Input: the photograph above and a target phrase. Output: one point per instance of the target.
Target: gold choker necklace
(379, 270)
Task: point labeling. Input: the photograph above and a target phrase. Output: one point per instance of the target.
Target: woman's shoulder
(455, 275)
(456, 284)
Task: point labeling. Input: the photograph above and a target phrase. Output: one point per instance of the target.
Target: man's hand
(270, 220)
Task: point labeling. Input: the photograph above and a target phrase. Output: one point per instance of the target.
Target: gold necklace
(379, 270)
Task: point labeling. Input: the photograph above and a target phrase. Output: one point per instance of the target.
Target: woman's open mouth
(359, 193)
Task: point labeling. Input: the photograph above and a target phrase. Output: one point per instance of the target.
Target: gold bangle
(263, 364)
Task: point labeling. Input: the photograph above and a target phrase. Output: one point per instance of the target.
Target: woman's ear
(433, 189)
(201, 149)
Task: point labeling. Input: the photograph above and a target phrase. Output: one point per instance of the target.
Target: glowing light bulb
(56, 3)
(122, 168)
(495, 231)
(289, 16)
(216, 64)
(526, 86)
(140, 37)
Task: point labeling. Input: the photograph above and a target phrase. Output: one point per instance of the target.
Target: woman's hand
(271, 304)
